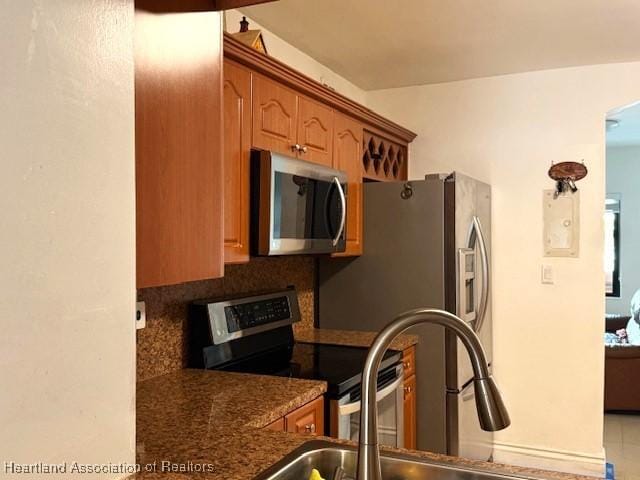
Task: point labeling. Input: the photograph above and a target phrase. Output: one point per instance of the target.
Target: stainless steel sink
(326, 456)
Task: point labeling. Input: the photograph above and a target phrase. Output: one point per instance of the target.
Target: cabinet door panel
(237, 145)
(179, 158)
(347, 155)
(315, 131)
(409, 361)
(277, 426)
(308, 419)
(410, 412)
(275, 111)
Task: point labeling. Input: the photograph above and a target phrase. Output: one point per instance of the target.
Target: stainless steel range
(254, 334)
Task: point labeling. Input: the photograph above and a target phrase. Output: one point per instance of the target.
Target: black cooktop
(340, 366)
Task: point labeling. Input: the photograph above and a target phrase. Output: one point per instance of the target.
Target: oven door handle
(383, 393)
(343, 211)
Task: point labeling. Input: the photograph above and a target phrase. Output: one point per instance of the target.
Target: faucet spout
(492, 412)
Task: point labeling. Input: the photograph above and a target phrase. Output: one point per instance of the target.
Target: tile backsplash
(161, 346)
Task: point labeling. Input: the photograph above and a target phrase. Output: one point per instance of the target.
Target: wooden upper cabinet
(347, 156)
(178, 129)
(315, 131)
(383, 160)
(275, 111)
(288, 123)
(237, 147)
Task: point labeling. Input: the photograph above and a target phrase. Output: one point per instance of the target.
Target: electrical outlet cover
(547, 274)
(141, 315)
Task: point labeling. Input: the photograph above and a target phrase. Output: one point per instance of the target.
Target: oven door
(301, 205)
(345, 413)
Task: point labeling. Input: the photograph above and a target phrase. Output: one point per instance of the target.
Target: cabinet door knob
(303, 149)
(406, 365)
(407, 389)
(310, 428)
(296, 147)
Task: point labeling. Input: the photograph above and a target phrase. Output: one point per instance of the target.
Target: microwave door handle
(383, 393)
(476, 234)
(343, 211)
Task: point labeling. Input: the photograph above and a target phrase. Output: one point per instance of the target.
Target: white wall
(67, 235)
(623, 177)
(287, 53)
(548, 338)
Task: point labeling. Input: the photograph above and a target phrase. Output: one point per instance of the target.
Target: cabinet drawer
(308, 419)
(409, 361)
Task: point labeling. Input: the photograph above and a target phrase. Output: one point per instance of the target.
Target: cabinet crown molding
(277, 70)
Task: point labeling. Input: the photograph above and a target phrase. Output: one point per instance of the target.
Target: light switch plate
(547, 274)
(141, 315)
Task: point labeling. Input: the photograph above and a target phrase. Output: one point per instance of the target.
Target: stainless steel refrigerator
(426, 244)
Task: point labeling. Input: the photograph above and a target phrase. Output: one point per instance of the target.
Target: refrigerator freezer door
(468, 230)
(466, 438)
(402, 268)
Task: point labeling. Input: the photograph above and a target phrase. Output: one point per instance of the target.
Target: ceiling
(381, 44)
(627, 133)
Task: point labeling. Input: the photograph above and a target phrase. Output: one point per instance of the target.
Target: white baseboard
(555, 460)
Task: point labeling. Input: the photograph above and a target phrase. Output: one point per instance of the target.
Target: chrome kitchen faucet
(492, 412)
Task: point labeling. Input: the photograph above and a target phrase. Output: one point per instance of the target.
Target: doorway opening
(622, 290)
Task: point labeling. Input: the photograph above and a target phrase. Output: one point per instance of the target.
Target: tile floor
(622, 445)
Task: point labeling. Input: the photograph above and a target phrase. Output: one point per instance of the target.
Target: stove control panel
(239, 317)
(252, 314)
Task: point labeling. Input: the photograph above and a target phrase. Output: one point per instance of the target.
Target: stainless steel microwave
(296, 206)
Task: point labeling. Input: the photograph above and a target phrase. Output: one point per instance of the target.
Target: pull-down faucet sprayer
(491, 410)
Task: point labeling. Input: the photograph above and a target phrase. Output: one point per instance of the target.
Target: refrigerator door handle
(476, 235)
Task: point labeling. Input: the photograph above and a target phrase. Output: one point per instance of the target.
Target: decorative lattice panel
(383, 159)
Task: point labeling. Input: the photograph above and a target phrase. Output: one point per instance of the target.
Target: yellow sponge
(315, 475)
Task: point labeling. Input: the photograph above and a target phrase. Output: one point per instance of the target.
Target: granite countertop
(215, 418)
(351, 337)
(211, 420)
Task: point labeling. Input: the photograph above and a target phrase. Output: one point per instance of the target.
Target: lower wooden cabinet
(308, 419)
(278, 425)
(408, 360)
(410, 412)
